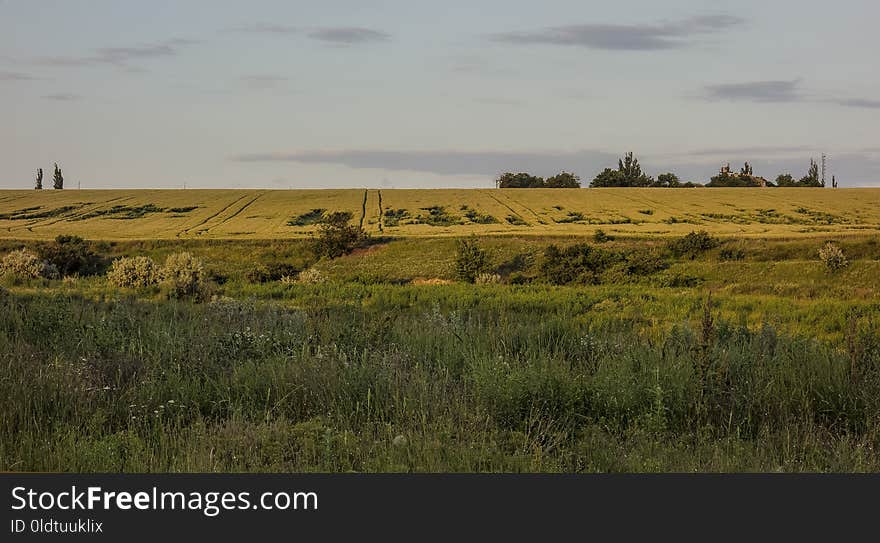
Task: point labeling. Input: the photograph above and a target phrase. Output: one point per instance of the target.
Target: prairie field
(601, 330)
(290, 214)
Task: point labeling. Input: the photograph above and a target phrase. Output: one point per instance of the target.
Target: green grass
(125, 385)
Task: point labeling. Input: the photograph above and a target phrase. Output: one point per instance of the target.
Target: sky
(417, 94)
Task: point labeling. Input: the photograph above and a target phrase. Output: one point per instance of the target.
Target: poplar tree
(58, 178)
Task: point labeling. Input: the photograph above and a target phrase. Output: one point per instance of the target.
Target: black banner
(417, 507)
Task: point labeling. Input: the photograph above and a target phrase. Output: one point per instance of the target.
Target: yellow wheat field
(272, 214)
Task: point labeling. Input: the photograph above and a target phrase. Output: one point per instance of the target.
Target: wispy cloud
(63, 97)
(644, 37)
(858, 102)
(349, 35)
(447, 162)
(785, 91)
(120, 56)
(338, 35)
(756, 91)
(16, 76)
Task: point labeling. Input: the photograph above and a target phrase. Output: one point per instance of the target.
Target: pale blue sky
(284, 94)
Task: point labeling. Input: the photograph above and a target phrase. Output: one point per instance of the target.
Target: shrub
(336, 236)
(392, 217)
(693, 244)
(71, 255)
(437, 216)
(183, 276)
(678, 280)
(308, 218)
(833, 258)
(579, 263)
(488, 279)
(601, 237)
(644, 262)
(731, 253)
(23, 264)
(311, 276)
(470, 260)
(272, 271)
(133, 272)
(477, 217)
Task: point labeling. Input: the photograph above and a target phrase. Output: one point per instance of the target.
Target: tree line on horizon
(629, 174)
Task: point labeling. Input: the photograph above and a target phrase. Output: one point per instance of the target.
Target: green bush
(272, 271)
(731, 253)
(133, 272)
(311, 276)
(71, 255)
(601, 237)
(832, 256)
(488, 279)
(183, 276)
(579, 263)
(645, 261)
(470, 260)
(693, 244)
(336, 236)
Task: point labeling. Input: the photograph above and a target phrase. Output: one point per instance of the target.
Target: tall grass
(127, 385)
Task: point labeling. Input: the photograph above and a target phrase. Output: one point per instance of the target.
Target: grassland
(273, 214)
(750, 355)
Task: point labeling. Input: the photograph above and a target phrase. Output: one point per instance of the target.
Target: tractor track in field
(490, 195)
(530, 210)
(203, 222)
(363, 210)
(247, 205)
(381, 211)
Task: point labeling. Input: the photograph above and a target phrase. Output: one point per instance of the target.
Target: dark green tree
(58, 178)
(38, 184)
(669, 180)
(520, 180)
(563, 180)
(812, 177)
(608, 178)
(785, 180)
(628, 174)
(337, 236)
(470, 260)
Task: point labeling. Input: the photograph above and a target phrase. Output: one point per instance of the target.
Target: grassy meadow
(746, 353)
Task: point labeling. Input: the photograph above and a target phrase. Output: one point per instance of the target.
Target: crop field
(290, 214)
